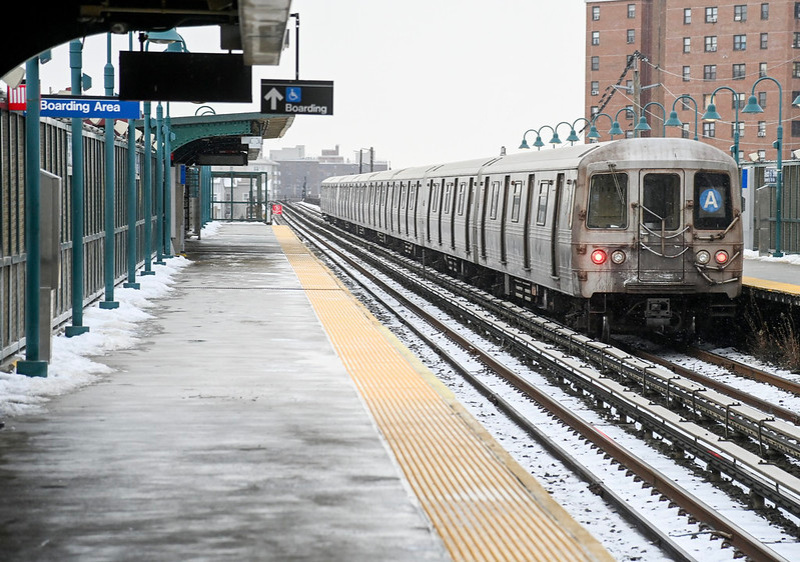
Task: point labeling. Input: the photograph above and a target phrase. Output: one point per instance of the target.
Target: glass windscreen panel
(713, 209)
(661, 201)
(608, 201)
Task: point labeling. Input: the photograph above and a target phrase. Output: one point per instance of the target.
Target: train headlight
(721, 257)
(599, 257)
(618, 256)
(703, 257)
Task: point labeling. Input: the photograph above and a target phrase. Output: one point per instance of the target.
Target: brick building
(642, 51)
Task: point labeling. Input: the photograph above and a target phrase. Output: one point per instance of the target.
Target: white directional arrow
(273, 96)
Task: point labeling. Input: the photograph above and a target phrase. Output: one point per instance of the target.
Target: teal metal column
(147, 190)
(77, 328)
(131, 197)
(159, 194)
(108, 207)
(32, 366)
(167, 187)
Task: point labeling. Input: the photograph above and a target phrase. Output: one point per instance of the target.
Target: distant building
(641, 51)
(298, 176)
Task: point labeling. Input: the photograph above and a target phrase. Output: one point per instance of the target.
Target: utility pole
(637, 93)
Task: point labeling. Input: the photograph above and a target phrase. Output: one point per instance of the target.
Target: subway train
(630, 235)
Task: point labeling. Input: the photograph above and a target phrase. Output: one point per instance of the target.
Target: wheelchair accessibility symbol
(294, 94)
(711, 200)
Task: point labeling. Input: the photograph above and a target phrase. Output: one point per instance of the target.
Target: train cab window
(608, 201)
(712, 201)
(661, 201)
(516, 200)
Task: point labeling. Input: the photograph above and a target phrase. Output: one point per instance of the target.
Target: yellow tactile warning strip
(481, 502)
(772, 285)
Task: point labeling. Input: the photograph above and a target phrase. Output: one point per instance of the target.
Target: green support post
(32, 366)
(167, 187)
(147, 190)
(131, 197)
(159, 194)
(77, 328)
(108, 301)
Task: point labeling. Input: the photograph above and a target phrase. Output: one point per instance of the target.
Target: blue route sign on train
(86, 107)
(297, 97)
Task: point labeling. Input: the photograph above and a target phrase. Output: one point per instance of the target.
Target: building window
(796, 128)
(706, 100)
(711, 15)
(796, 70)
(687, 16)
(737, 100)
(595, 13)
(595, 88)
(709, 130)
(710, 72)
(711, 44)
(631, 11)
(595, 63)
(685, 103)
(740, 42)
(764, 40)
(631, 36)
(687, 73)
(762, 99)
(738, 71)
(762, 69)
(796, 40)
(740, 13)
(687, 44)
(685, 130)
(629, 86)
(797, 10)
(595, 37)
(594, 111)
(765, 10)
(741, 129)
(762, 129)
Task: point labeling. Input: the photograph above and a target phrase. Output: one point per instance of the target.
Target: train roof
(641, 150)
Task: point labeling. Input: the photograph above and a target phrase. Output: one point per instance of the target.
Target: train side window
(712, 201)
(461, 188)
(435, 197)
(448, 197)
(661, 200)
(516, 200)
(608, 201)
(541, 209)
(495, 200)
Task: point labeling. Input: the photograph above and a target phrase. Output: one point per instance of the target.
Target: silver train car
(627, 235)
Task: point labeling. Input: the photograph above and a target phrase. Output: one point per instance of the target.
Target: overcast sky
(421, 81)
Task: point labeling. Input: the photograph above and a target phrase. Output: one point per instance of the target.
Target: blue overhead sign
(84, 107)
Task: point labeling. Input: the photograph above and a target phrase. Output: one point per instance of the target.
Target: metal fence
(56, 158)
(763, 176)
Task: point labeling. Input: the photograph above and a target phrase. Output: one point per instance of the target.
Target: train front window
(712, 201)
(608, 201)
(661, 201)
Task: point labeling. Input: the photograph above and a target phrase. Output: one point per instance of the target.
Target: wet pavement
(231, 432)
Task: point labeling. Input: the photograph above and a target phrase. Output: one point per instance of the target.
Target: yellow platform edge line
(771, 285)
(586, 544)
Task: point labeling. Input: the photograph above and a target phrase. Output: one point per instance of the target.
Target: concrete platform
(233, 432)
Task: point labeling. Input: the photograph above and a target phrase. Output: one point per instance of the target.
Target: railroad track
(727, 456)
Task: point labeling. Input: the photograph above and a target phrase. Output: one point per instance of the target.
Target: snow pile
(786, 258)
(71, 365)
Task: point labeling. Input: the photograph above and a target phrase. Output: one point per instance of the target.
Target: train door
(554, 243)
(661, 234)
(484, 210)
(412, 205)
(526, 233)
(503, 211)
(468, 217)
